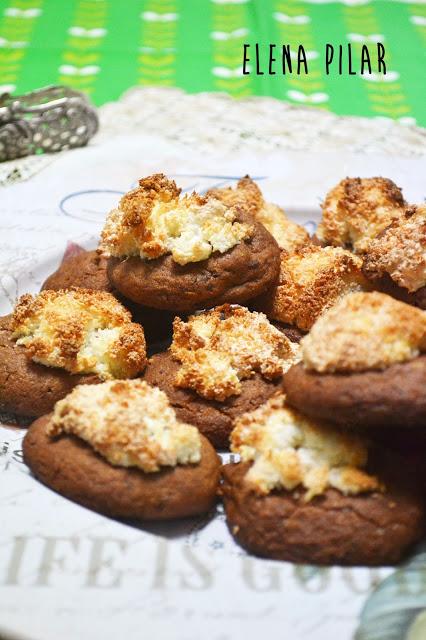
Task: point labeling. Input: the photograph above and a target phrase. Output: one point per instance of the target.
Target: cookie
(88, 270)
(357, 210)
(214, 419)
(118, 464)
(396, 260)
(58, 339)
(221, 364)
(247, 196)
(311, 280)
(363, 364)
(370, 529)
(29, 389)
(389, 398)
(305, 492)
(183, 254)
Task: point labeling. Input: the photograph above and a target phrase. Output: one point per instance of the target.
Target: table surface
(106, 46)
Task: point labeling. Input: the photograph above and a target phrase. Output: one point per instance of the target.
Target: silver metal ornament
(43, 121)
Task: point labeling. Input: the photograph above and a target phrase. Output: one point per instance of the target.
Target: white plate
(70, 573)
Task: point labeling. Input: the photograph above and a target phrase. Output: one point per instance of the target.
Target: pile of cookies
(306, 356)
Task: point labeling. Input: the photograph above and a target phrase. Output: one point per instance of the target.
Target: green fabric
(104, 47)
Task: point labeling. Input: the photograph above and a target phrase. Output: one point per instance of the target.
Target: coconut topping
(364, 331)
(357, 210)
(311, 280)
(81, 331)
(152, 220)
(400, 251)
(247, 195)
(289, 450)
(129, 423)
(221, 347)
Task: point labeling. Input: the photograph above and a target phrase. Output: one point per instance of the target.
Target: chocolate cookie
(27, 388)
(87, 270)
(393, 397)
(214, 419)
(239, 274)
(369, 529)
(72, 468)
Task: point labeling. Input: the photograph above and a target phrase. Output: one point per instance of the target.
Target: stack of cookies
(302, 355)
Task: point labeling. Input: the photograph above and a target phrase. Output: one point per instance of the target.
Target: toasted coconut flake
(364, 331)
(247, 195)
(81, 331)
(311, 280)
(288, 450)
(357, 210)
(129, 423)
(152, 220)
(400, 251)
(221, 347)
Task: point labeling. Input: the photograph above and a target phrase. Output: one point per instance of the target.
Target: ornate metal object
(47, 120)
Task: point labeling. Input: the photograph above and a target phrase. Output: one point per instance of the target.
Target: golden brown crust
(364, 331)
(287, 450)
(400, 251)
(311, 280)
(80, 330)
(247, 195)
(357, 210)
(221, 347)
(152, 221)
(129, 423)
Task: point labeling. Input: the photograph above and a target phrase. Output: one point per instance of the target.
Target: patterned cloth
(106, 46)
